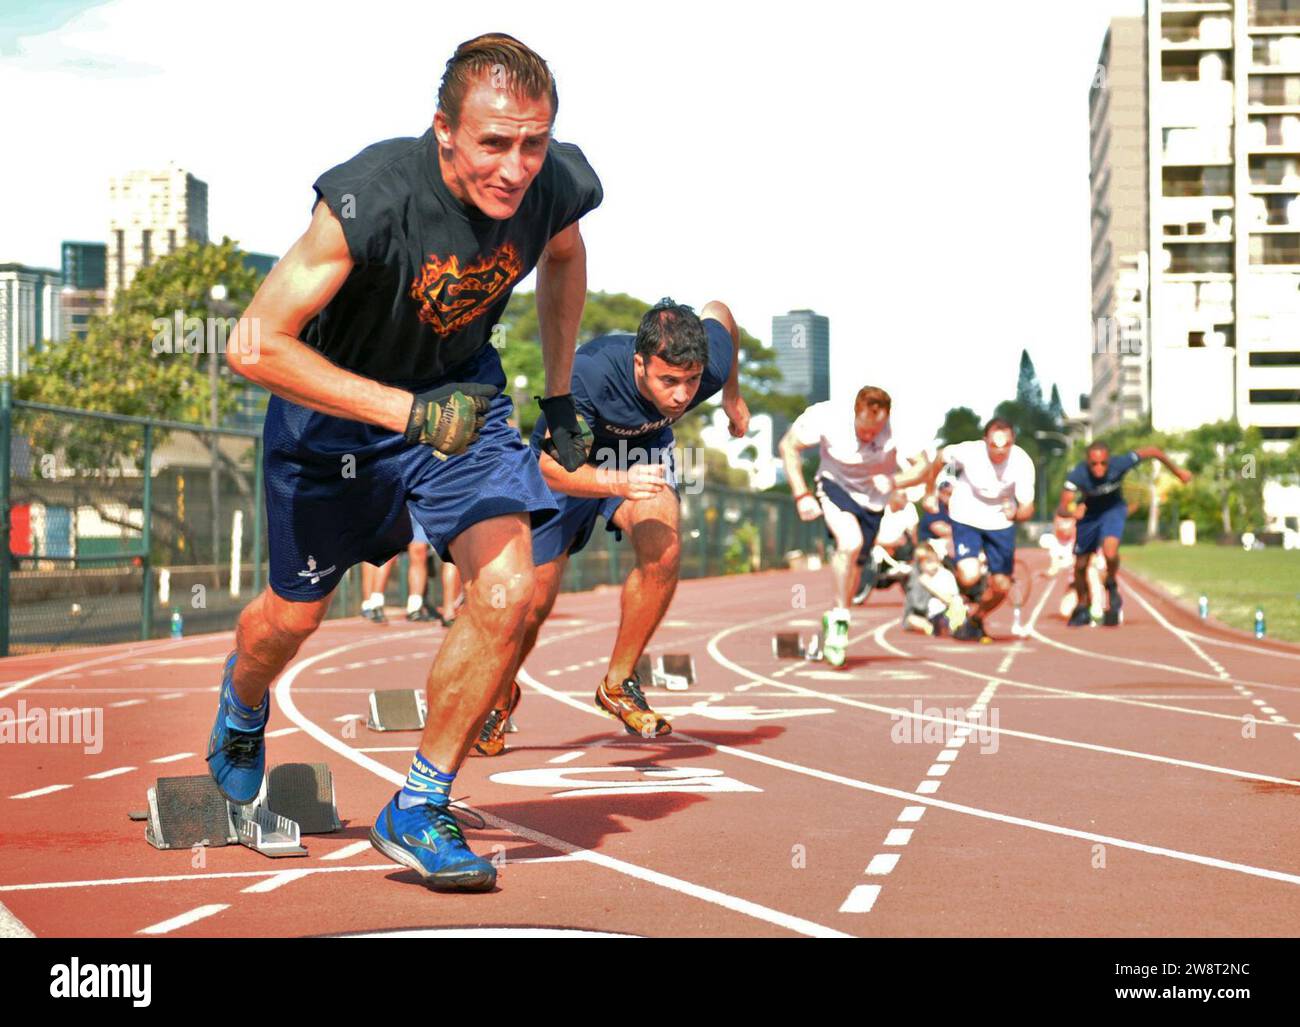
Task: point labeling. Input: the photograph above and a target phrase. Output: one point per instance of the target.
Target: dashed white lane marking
(126, 702)
(272, 883)
(109, 773)
(938, 770)
(927, 787)
(171, 695)
(173, 758)
(37, 792)
(281, 732)
(911, 814)
(861, 899)
(284, 696)
(948, 755)
(898, 836)
(567, 757)
(63, 673)
(882, 863)
(1214, 664)
(185, 919)
(348, 851)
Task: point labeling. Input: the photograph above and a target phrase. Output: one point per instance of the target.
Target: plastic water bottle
(1259, 622)
(1016, 629)
(178, 623)
(1203, 606)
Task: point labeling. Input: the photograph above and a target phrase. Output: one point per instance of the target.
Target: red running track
(1132, 781)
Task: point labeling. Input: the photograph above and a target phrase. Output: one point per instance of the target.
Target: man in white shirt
(859, 464)
(994, 489)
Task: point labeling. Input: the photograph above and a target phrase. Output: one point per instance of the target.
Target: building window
(1199, 258)
(1198, 181)
(1275, 90)
(1282, 358)
(1275, 249)
(1275, 395)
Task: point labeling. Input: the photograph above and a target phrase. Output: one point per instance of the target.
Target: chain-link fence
(122, 528)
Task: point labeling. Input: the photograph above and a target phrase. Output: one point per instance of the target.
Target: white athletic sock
(375, 601)
(413, 603)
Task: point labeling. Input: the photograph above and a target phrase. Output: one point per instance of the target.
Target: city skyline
(780, 225)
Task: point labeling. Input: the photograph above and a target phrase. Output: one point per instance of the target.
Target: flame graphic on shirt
(451, 296)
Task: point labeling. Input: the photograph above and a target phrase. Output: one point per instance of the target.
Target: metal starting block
(675, 672)
(790, 645)
(188, 811)
(397, 709)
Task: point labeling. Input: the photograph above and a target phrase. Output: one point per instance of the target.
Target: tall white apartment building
(1223, 81)
(1117, 121)
(30, 314)
(151, 213)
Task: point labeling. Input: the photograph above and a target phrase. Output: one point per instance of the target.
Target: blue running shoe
(236, 759)
(428, 839)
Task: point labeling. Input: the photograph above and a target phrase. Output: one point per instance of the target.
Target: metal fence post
(6, 415)
(146, 539)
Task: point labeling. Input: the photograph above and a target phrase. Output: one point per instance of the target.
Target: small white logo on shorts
(312, 573)
(962, 550)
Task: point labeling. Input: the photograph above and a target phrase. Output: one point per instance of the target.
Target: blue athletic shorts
(869, 520)
(339, 492)
(998, 545)
(417, 532)
(1090, 531)
(570, 530)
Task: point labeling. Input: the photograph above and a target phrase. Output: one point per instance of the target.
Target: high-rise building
(29, 314)
(1224, 189)
(85, 292)
(1118, 174)
(802, 340)
(151, 214)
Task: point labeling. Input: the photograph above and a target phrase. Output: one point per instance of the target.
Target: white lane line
(567, 757)
(171, 695)
(911, 814)
(272, 883)
(62, 671)
(185, 919)
(391, 748)
(348, 851)
(11, 926)
(177, 878)
(109, 773)
(174, 758)
(126, 702)
(948, 755)
(882, 863)
(36, 793)
(938, 770)
(861, 899)
(281, 732)
(1190, 711)
(898, 836)
(983, 814)
(1214, 664)
(284, 698)
(1255, 650)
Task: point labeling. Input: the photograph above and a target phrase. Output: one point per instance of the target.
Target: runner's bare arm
(733, 403)
(561, 295)
(295, 291)
(590, 481)
(790, 450)
(1156, 453)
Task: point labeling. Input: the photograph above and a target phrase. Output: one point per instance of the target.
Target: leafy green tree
(1231, 464)
(1029, 393)
(960, 424)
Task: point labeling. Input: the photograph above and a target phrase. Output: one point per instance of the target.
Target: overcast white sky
(916, 171)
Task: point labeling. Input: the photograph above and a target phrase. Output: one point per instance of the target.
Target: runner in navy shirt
(1094, 489)
(629, 389)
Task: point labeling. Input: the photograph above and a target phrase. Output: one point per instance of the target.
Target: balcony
(1193, 103)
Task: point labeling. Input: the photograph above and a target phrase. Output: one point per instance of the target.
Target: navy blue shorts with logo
(1091, 531)
(997, 544)
(868, 520)
(571, 529)
(339, 492)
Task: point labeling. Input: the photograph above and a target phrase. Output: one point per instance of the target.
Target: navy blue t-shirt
(1100, 494)
(626, 425)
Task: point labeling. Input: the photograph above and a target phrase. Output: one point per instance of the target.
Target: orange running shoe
(491, 739)
(627, 703)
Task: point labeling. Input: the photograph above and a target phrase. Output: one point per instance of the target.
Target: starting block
(397, 709)
(790, 645)
(673, 671)
(296, 799)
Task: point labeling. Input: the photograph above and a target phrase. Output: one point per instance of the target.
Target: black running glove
(570, 447)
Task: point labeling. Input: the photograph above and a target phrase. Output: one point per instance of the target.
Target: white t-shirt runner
(845, 460)
(982, 486)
